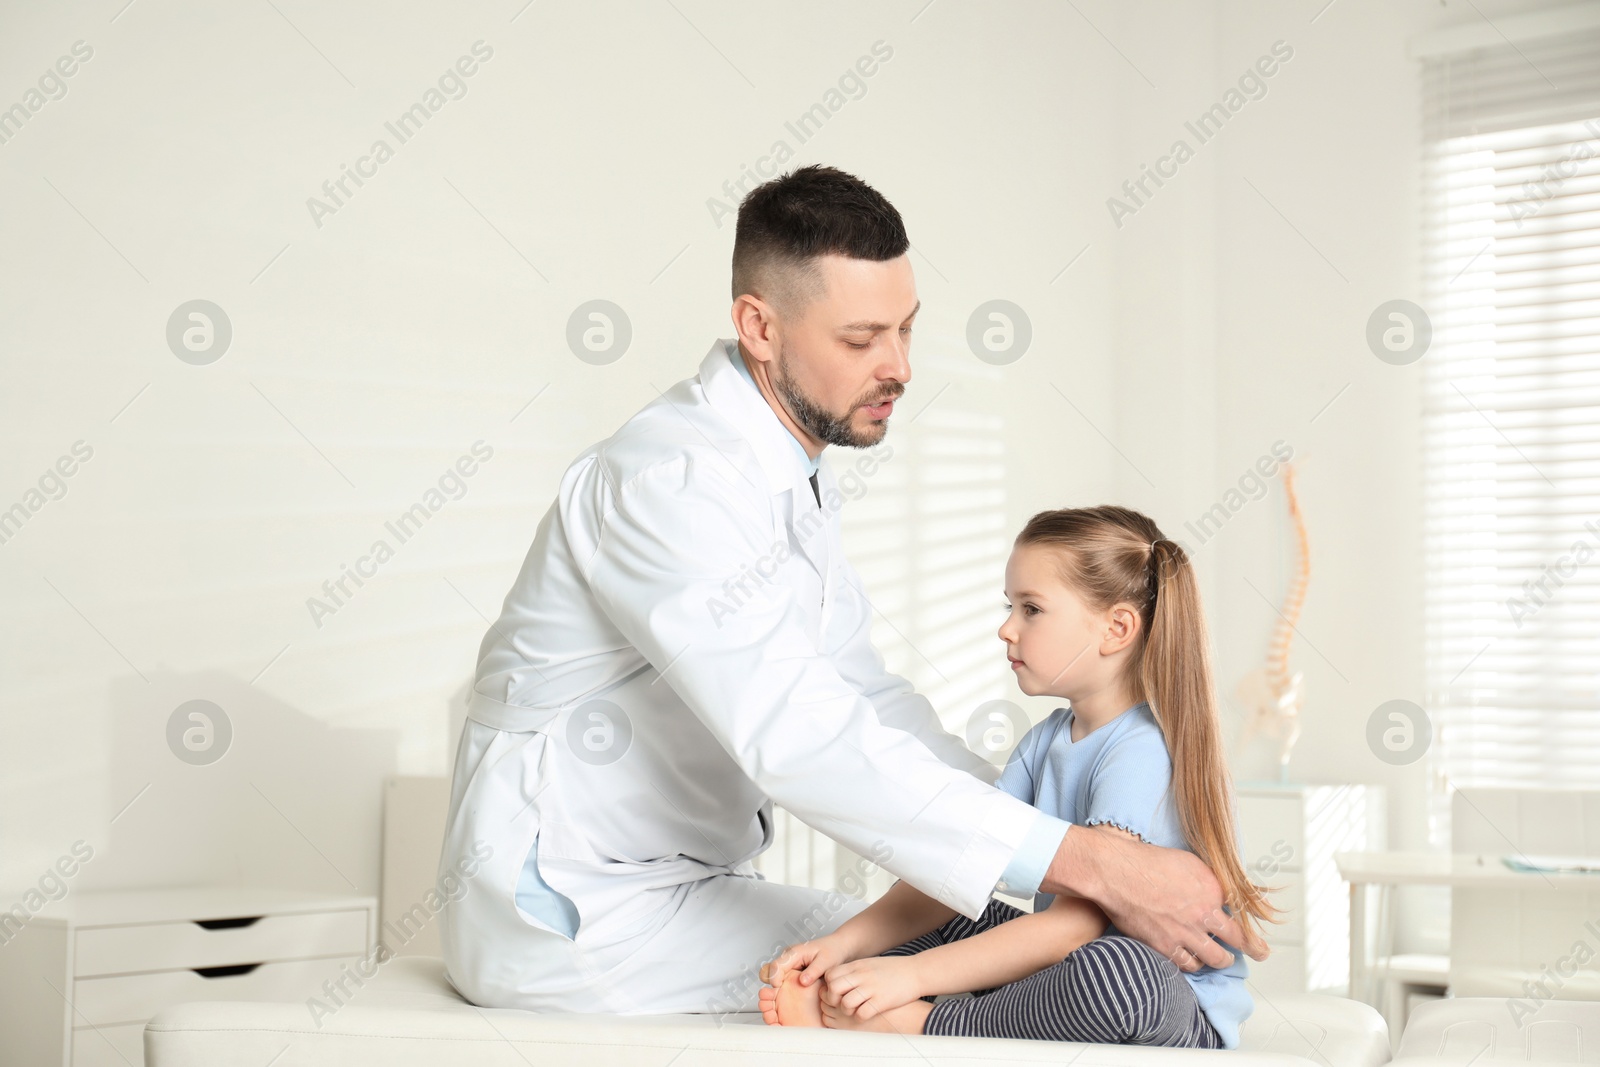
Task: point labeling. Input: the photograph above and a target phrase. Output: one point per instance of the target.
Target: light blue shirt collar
(806, 461)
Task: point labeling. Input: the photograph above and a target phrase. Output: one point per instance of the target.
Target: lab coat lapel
(808, 526)
(805, 525)
(733, 398)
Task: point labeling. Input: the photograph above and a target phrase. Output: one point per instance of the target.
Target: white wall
(371, 352)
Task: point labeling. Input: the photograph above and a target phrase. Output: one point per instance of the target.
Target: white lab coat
(722, 699)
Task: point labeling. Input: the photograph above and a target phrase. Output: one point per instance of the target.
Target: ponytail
(1119, 555)
(1174, 673)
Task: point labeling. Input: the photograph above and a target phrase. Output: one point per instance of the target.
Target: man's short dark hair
(786, 223)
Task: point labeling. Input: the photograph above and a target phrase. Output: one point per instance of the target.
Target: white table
(1383, 869)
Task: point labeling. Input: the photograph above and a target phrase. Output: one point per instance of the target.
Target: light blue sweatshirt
(1120, 774)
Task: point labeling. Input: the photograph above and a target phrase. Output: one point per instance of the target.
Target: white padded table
(1483, 1030)
(409, 1016)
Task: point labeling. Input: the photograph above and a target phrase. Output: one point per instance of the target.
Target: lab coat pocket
(540, 904)
(578, 889)
(526, 778)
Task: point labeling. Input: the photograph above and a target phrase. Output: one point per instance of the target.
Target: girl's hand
(811, 958)
(866, 988)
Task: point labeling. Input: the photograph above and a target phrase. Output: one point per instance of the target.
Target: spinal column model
(1272, 696)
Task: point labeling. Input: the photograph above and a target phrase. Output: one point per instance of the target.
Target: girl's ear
(1122, 628)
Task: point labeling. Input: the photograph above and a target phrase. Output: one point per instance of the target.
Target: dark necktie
(817, 492)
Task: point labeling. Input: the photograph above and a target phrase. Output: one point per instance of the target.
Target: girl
(1103, 612)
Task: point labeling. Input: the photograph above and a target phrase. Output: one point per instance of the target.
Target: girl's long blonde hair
(1109, 559)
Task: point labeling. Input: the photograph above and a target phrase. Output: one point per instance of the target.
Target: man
(686, 645)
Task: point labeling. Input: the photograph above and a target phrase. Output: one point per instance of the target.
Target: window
(1511, 432)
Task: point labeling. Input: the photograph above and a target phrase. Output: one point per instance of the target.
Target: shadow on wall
(218, 783)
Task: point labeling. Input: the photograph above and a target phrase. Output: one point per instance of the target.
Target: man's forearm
(1075, 870)
(1166, 897)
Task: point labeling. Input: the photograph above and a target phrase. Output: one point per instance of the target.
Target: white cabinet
(1290, 834)
(79, 979)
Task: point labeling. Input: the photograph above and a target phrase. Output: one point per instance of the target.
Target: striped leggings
(1114, 990)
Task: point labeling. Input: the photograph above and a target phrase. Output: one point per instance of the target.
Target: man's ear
(754, 322)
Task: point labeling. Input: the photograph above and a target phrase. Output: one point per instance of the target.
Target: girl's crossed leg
(1114, 989)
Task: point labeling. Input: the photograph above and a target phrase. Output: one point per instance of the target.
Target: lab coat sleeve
(1029, 866)
(897, 703)
(900, 706)
(672, 537)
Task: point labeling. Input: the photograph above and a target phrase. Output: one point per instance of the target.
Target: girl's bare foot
(906, 1019)
(791, 1004)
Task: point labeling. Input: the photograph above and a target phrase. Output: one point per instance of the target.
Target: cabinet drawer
(137, 997)
(173, 945)
(110, 1046)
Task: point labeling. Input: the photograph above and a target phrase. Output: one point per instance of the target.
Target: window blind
(1511, 420)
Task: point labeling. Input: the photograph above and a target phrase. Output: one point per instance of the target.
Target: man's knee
(814, 922)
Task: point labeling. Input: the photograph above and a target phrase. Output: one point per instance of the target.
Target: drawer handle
(229, 924)
(225, 972)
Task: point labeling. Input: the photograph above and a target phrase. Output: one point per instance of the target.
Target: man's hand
(811, 958)
(868, 987)
(1165, 897)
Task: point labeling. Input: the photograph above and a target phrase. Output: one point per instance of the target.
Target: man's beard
(817, 420)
